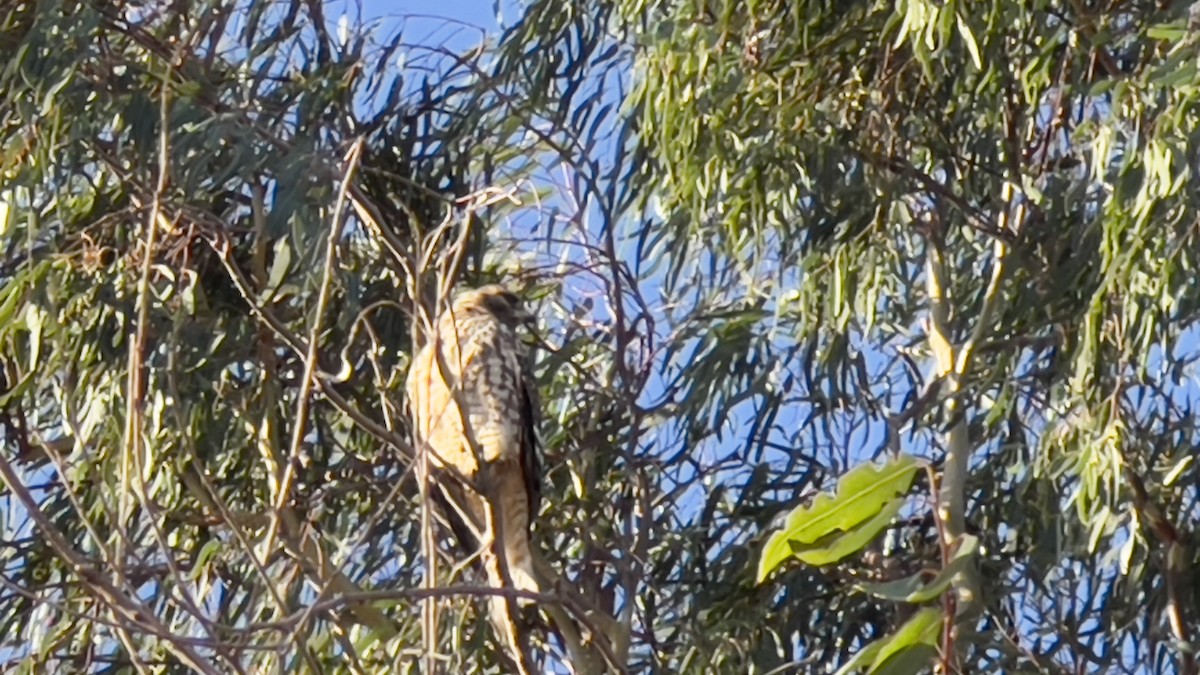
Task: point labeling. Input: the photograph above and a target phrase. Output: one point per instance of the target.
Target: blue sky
(432, 15)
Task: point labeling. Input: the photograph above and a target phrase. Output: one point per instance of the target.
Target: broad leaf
(855, 510)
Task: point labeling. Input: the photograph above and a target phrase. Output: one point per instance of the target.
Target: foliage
(996, 194)
(766, 241)
(836, 525)
(186, 483)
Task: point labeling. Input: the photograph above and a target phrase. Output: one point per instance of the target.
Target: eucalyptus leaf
(838, 523)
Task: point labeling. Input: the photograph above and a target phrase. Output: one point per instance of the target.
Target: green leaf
(210, 549)
(1174, 76)
(1170, 32)
(969, 39)
(835, 521)
(9, 302)
(5, 217)
(280, 266)
(907, 651)
(863, 658)
(35, 320)
(838, 545)
(910, 649)
(915, 589)
(15, 393)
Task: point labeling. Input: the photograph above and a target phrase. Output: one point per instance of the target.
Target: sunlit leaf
(837, 523)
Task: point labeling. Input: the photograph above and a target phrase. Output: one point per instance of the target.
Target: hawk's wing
(530, 462)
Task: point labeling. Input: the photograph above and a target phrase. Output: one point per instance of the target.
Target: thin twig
(131, 455)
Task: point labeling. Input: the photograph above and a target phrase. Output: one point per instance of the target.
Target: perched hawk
(474, 413)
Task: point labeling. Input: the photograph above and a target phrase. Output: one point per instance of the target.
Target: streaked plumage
(484, 452)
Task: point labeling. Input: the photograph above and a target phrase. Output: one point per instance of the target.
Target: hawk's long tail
(509, 562)
(500, 537)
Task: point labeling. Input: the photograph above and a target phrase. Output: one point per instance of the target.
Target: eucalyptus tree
(962, 231)
(767, 242)
(225, 227)
(212, 216)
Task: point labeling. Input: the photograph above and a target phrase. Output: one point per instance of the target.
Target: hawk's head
(496, 299)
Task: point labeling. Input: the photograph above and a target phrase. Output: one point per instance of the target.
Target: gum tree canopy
(865, 333)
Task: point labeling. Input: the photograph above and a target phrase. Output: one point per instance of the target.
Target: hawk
(474, 406)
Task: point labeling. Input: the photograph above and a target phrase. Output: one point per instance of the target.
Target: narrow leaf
(915, 589)
(909, 650)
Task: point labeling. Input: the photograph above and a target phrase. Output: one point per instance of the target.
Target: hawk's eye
(506, 306)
